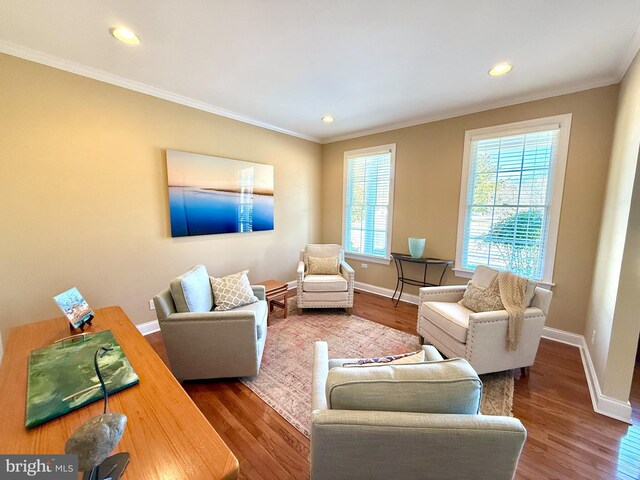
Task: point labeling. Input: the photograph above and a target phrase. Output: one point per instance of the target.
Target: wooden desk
(166, 435)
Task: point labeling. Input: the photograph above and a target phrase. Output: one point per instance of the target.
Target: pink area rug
(284, 381)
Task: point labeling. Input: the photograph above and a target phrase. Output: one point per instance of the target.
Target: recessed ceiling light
(125, 35)
(327, 119)
(500, 69)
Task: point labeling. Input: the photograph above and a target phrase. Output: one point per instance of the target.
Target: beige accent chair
(204, 343)
(409, 421)
(479, 337)
(325, 291)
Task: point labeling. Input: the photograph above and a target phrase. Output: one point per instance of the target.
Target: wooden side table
(276, 293)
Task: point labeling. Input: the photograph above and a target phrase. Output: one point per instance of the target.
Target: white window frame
(563, 123)
(391, 148)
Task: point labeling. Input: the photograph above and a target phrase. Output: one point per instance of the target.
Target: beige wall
(427, 191)
(614, 309)
(83, 200)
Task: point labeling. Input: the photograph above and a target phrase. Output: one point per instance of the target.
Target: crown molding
(95, 74)
(481, 107)
(633, 47)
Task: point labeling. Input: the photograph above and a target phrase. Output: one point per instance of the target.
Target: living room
(87, 122)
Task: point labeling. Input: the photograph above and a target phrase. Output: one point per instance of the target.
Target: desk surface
(166, 435)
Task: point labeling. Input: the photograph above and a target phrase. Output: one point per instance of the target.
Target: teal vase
(416, 246)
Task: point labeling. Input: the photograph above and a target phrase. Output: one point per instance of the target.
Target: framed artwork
(210, 195)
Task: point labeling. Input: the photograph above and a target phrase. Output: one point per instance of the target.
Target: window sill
(460, 272)
(367, 258)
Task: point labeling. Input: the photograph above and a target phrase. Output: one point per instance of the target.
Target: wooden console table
(166, 435)
(399, 258)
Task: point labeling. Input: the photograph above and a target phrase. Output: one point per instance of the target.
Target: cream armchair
(325, 291)
(410, 421)
(479, 337)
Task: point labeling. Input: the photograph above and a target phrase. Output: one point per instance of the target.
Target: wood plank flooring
(566, 438)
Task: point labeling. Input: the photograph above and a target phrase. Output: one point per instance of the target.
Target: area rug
(284, 381)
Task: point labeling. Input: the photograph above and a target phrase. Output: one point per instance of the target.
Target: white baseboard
(563, 336)
(148, 327)
(385, 292)
(611, 407)
(602, 404)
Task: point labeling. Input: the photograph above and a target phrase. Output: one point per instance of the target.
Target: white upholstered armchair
(325, 290)
(480, 338)
(407, 421)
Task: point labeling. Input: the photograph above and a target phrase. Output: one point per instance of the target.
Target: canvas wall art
(209, 195)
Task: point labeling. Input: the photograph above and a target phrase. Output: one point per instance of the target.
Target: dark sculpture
(95, 439)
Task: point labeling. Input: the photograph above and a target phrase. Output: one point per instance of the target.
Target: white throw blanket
(512, 294)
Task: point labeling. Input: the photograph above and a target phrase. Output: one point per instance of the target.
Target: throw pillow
(232, 291)
(484, 276)
(412, 357)
(482, 299)
(323, 266)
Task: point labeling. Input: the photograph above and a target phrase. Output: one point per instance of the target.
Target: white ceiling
(373, 64)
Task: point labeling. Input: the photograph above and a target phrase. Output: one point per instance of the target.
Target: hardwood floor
(566, 438)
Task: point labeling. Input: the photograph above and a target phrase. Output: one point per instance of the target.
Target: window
(368, 202)
(511, 191)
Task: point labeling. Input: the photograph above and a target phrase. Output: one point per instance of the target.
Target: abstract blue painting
(209, 195)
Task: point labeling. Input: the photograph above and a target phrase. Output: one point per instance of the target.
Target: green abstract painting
(62, 377)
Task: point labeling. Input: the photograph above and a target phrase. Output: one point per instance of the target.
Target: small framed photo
(75, 307)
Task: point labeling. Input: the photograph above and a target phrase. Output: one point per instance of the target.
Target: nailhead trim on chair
(471, 334)
(299, 291)
(441, 292)
(347, 304)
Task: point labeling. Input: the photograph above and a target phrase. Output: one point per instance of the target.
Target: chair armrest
(542, 299)
(451, 293)
(164, 304)
(209, 316)
(320, 373)
(502, 316)
(300, 271)
(259, 291)
(346, 271)
(431, 353)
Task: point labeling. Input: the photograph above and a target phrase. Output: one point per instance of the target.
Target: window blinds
(368, 181)
(509, 200)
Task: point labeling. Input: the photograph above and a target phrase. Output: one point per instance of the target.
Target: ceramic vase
(416, 246)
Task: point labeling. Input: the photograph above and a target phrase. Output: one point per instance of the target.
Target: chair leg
(524, 371)
(421, 338)
(348, 310)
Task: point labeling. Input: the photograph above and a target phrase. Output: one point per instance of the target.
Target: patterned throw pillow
(323, 266)
(232, 291)
(482, 299)
(412, 357)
